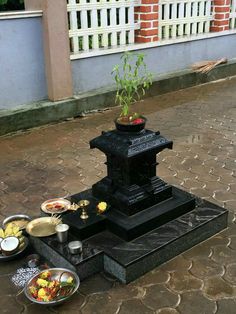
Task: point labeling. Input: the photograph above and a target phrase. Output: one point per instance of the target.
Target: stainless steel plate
(56, 274)
(15, 218)
(49, 206)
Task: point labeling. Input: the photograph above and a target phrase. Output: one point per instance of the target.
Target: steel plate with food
(12, 242)
(18, 220)
(52, 286)
(43, 226)
(17, 253)
(56, 206)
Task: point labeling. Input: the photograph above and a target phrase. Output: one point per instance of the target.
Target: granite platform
(128, 260)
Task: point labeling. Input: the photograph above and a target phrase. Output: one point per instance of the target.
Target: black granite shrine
(148, 222)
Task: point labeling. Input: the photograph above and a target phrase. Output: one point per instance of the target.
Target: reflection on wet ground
(56, 160)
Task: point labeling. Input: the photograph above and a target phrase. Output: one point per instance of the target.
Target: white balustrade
(106, 26)
(232, 15)
(180, 18)
(95, 24)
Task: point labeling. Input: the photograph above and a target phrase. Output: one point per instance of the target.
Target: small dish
(43, 226)
(19, 220)
(33, 260)
(52, 275)
(56, 206)
(75, 247)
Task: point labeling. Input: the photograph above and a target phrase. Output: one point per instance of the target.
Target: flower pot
(130, 126)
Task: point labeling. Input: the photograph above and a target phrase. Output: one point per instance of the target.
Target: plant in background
(8, 5)
(132, 80)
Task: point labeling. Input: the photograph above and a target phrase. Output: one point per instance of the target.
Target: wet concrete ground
(56, 160)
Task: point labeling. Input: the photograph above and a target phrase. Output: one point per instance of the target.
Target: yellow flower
(102, 206)
(46, 298)
(53, 284)
(46, 274)
(41, 282)
(41, 293)
(69, 280)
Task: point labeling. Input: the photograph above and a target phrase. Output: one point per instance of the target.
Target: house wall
(95, 72)
(22, 65)
(22, 69)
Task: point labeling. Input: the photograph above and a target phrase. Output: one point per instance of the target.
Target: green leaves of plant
(11, 4)
(132, 80)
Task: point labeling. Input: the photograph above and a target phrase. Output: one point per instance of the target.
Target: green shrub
(132, 80)
(10, 5)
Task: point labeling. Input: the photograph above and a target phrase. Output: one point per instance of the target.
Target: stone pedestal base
(127, 261)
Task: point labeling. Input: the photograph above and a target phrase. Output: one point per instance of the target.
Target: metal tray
(16, 217)
(42, 227)
(5, 258)
(63, 201)
(57, 273)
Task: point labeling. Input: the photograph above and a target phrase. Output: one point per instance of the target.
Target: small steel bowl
(56, 274)
(75, 247)
(15, 217)
(33, 260)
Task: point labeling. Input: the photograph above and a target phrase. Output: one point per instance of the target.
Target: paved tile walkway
(56, 160)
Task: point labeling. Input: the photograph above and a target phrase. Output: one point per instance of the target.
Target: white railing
(95, 24)
(178, 18)
(232, 15)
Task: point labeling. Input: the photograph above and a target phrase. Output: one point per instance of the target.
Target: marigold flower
(70, 280)
(41, 293)
(41, 282)
(45, 275)
(102, 206)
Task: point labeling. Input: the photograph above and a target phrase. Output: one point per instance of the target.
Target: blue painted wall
(22, 70)
(95, 72)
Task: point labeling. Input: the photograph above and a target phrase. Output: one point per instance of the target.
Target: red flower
(138, 121)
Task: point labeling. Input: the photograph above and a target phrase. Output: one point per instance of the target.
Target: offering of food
(56, 206)
(11, 231)
(21, 223)
(19, 220)
(9, 245)
(52, 286)
(12, 242)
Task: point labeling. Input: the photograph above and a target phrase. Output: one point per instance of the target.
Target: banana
(8, 231)
(15, 230)
(22, 242)
(2, 234)
(21, 239)
(21, 245)
(18, 234)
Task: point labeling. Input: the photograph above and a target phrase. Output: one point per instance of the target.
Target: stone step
(131, 227)
(129, 260)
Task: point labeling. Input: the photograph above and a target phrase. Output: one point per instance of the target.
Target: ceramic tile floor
(55, 160)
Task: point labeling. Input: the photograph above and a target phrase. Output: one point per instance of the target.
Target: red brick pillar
(221, 9)
(147, 15)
